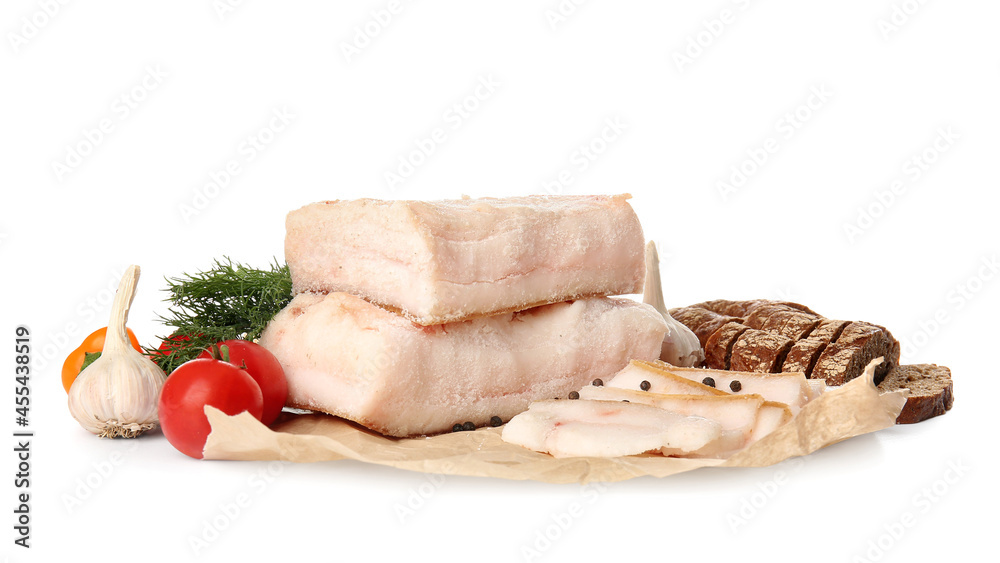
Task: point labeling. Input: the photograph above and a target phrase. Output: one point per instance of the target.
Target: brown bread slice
(858, 344)
(701, 321)
(692, 317)
(829, 330)
(709, 328)
(931, 391)
(803, 355)
(760, 351)
(720, 345)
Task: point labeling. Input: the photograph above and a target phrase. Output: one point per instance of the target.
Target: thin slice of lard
(791, 388)
(736, 414)
(582, 428)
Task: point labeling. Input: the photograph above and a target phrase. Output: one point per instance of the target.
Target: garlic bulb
(680, 346)
(117, 394)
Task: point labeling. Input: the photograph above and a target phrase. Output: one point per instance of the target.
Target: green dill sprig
(227, 301)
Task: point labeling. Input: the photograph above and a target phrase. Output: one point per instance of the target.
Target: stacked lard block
(410, 317)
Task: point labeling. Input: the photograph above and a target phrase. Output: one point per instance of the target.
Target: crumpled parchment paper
(851, 410)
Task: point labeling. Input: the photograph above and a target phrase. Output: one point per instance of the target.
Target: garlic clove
(680, 345)
(116, 396)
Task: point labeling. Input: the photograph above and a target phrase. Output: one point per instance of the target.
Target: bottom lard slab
(347, 357)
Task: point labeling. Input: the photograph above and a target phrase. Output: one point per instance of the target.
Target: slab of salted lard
(344, 356)
(444, 261)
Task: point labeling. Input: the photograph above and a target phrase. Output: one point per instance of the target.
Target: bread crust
(744, 308)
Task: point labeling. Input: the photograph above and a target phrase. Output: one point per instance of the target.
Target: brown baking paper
(851, 410)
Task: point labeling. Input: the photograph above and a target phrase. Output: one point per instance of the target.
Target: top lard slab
(446, 261)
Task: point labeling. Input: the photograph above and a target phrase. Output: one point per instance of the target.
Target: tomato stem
(89, 358)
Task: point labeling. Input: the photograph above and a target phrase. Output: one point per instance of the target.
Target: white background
(895, 75)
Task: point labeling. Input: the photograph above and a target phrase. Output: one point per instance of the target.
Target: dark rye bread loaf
(782, 336)
(931, 391)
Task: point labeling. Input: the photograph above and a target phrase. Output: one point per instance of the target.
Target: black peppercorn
(468, 426)
(708, 381)
(598, 382)
(496, 421)
(456, 428)
(574, 395)
(735, 385)
(644, 385)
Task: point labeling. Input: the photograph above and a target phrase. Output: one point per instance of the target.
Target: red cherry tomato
(198, 383)
(170, 345)
(167, 346)
(264, 368)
